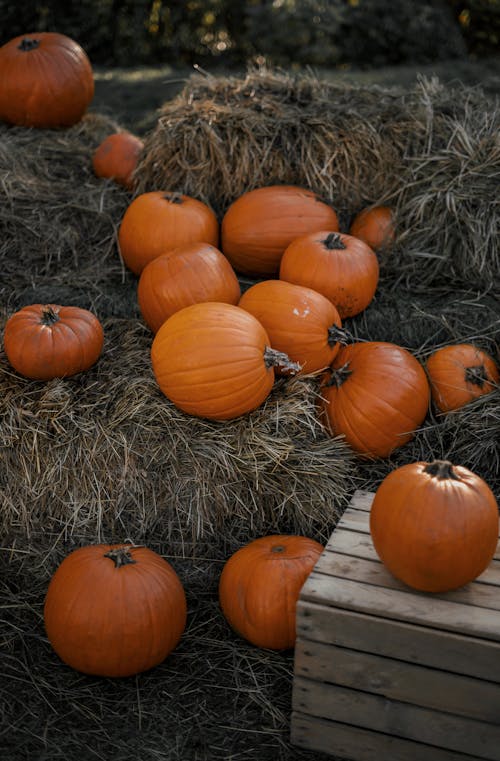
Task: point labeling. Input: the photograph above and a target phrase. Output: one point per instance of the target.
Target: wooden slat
(444, 730)
(398, 680)
(357, 744)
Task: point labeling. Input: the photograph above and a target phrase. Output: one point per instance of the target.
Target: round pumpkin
(375, 394)
(186, 275)
(46, 80)
(299, 322)
(116, 158)
(434, 525)
(258, 226)
(214, 360)
(114, 610)
(260, 585)
(159, 221)
(341, 267)
(44, 341)
(459, 374)
(374, 226)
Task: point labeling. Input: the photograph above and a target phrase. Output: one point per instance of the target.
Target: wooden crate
(385, 673)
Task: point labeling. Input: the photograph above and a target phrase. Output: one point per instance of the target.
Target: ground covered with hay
(104, 456)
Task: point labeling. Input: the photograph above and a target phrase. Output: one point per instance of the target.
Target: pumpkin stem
(49, 316)
(275, 358)
(120, 556)
(173, 197)
(338, 335)
(333, 241)
(28, 44)
(338, 375)
(476, 375)
(441, 469)
(278, 548)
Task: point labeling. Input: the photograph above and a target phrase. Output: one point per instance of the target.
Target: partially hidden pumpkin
(186, 275)
(376, 395)
(44, 341)
(299, 322)
(116, 158)
(114, 610)
(459, 374)
(341, 267)
(260, 585)
(159, 221)
(214, 360)
(434, 525)
(259, 225)
(46, 80)
(374, 226)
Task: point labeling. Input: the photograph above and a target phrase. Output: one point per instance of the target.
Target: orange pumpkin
(434, 525)
(374, 226)
(187, 275)
(376, 394)
(44, 341)
(214, 360)
(114, 610)
(159, 221)
(260, 585)
(299, 322)
(342, 268)
(258, 226)
(46, 80)
(459, 374)
(116, 158)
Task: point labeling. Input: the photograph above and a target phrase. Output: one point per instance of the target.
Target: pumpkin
(186, 275)
(159, 221)
(260, 584)
(434, 525)
(46, 80)
(214, 360)
(114, 610)
(299, 322)
(116, 158)
(342, 268)
(44, 341)
(374, 226)
(459, 374)
(375, 394)
(259, 225)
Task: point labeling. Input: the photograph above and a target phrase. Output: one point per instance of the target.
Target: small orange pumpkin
(434, 525)
(342, 268)
(374, 226)
(116, 158)
(459, 374)
(159, 221)
(114, 610)
(44, 341)
(260, 585)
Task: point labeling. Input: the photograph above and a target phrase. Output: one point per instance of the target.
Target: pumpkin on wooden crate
(215, 361)
(159, 221)
(260, 224)
(45, 341)
(116, 158)
(46, 81)
(341, 267)
(434, 525)
(376, 395)
(459, 374)
(186, 275)
(374, 226)
(260, 584)
(299, 321)
(114, 610)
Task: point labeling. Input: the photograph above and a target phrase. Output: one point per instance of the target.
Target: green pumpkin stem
(476, 375)
(49, 316)
(441, 469)
(333, 242)
(338, 335)
(338, 375)
(28, 44)
(275, 358)
(120, 556)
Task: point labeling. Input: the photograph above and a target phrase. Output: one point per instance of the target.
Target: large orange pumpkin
(46, 80)
(434, 525)
(459, 374)
(260, 585)
(376, 394)
(258, 226)
(374, 226)
(186, 275)
(299, 322)
(114, 610)
(116, 158)
(214, 360)
(159, 221)
(44, 341)
(342, 268)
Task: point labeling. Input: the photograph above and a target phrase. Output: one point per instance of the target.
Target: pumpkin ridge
(381, 433)
(368, 392)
